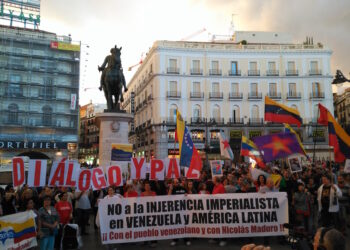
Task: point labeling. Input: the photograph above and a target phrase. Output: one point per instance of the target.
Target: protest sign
(216, 168)
(347, 166)
(295, 164)
(37, 173)
(126, 220)
(17, 231)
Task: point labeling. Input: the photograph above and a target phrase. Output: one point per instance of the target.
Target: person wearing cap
(49, 219)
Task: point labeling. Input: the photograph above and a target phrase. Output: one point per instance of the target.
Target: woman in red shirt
(218, 186)
(129, 191)
(64, 209)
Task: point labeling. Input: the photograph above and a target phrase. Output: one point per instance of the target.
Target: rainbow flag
(18, 230)
(288, 129)
(248, 148)
(338, 138)
(189, 156)
(277, 112)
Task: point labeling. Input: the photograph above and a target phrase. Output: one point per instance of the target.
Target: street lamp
(339, 78)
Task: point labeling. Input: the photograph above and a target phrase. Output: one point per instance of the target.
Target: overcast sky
(136, 24)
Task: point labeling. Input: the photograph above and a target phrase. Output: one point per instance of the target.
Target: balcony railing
(172, 70)
(215, 72)
(253, 72)
(171, 120)
(173, 94)
(150, 97)
(272, 72)
(254, 95)
(197, 95)
(292, 72)
(236, 121)
(197, 72)
(217, 120)
(216, 95)
(315, 72)
(256, 121)
(197, 120)
(235, 95)
(234, 72)
(274, 95)
(317, 95)
(293, 95)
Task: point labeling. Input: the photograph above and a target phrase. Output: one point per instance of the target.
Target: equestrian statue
(112, 79)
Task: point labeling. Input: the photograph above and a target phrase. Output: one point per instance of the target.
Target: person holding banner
(49, 222)
(64, 209)
(83, 207)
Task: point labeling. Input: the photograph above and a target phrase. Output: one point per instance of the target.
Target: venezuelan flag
(20, 226)
(338, 138)
(189, 156)
(288, 129)
(248, 148)
(277, 112)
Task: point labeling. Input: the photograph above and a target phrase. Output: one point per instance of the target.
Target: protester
(49, 220)
(64, 209)
(301, 203)
(328, 206)
(83, 207)
(329, 239)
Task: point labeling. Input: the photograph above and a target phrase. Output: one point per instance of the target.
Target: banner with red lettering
(125, 220)
(67, 173)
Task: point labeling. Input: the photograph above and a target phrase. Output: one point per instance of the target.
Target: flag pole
(314, 154)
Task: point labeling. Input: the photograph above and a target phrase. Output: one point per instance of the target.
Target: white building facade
(220, 86)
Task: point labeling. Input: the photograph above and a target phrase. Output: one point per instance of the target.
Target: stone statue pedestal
(113, 128)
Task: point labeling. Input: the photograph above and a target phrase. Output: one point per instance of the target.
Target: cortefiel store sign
(32, 145)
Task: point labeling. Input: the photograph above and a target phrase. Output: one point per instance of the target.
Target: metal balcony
(196, 72)
(315, 72)
(272, 72)
(172, 70)
(197, 120)
(253, 72)
(255, 121)
(254, 95)
(216, 95)
(292, 72)
(216, 120)
(317, 95)
(215, 72)
(235, 95)
(293, 95)
(274, 95)
(236, 120)
(174, 94)
(197, 95)
(234, 72)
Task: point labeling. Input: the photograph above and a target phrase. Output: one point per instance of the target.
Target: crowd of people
(318, 196)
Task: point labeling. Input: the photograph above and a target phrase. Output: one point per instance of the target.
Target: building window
(291, 66)
(47, 116)
(215, 65)
(234, 67)
(314, 66)
(316, 89)
(15, 78)
(173, 66)
(216, 113)
(255, 112)
(272, 89)
(254, 89)
(234, 88)
(235, 114)
(197, 113)
(292, 89)
(13, 113)
(215, 87)
(173, 86)
(253, 66)
(172, 113)
(272, 66)
(196, 65)
(196, 87)
(15, 90)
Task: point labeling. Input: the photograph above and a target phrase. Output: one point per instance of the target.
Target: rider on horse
(110, 63)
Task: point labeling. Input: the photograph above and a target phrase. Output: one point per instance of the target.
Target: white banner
(17, 231)
(125, 220)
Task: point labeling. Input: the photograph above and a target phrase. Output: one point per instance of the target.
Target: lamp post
(339, 78)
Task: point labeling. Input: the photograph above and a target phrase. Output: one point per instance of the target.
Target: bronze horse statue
(112, 79)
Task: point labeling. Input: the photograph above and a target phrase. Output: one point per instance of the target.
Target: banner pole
(314, 137)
